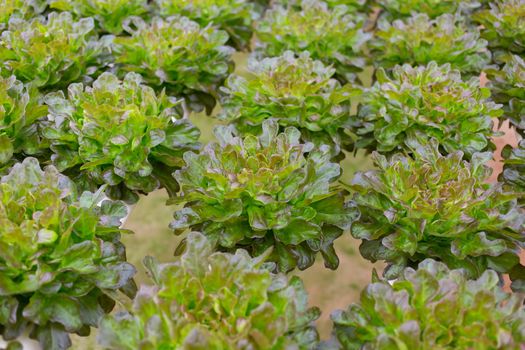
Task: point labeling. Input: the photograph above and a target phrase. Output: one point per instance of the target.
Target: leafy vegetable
(433, 308)
(514, 168)
(418, 40)
(331, 35)
(236, 17)
(266, 191)
(179, 55)
(508, 87)
(353, 6)
(19, 9)
(60, 256)
(52, 51)
(439, 207)
(19, 110)
(432, 8)
(118, 133)
(208, 300)
(296, 91)
(109, 14)
(425, 102)
(504, 25)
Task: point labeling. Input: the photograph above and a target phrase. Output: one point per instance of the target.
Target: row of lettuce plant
(94, 104)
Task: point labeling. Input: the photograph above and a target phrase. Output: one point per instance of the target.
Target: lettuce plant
(508, 88)
(440, 207)
(504, 25)
(109, 15)
(331, 35)
(19, 110)
(52, 51)
(207, 300)
(118, 133)
(353, 6)
(20, 9)
(265, 191)
(295, 91)
(433, 308)
(418, 40)
(61, 257)
(178, 55)
(432, 8)
(514, 169)
(425, 102)
(235, 17)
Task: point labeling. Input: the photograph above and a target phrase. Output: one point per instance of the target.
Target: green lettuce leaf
(425, 102)
(433, 308)
(440, 207)
(508, 87)
(503, 26)
(52, 51)
(20, 108)
(295, 91)
(108, 14)
(59, 261)
(433, 8)
(334, 36)
(236, 17)
(118, 133)
(419, 40)
(265, 191)
(178, 55)
(207, 300)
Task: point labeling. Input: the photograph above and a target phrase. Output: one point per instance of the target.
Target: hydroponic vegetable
(504, 26)
(418, 40)
(514, 168)
(440, 207)
(266, 191)
(236, 17)
(295, 91)
(353, 6)
(60, 256)
(432, 8)
(209, 301)
(332, 35)
(178, 55)
(52, 51)
(108, 14)
(433, 308)
(508, 88)
(425, 102)
(19, 8)
(19, 110)
(118, 133)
